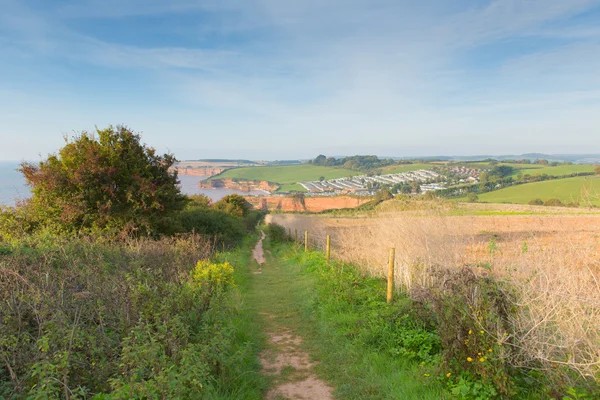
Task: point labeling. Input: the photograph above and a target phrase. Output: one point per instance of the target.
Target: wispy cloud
(366, 72)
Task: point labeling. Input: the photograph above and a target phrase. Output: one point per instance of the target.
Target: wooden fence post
(296, 230)
(305, 241)
(390, 280)
(328, 249)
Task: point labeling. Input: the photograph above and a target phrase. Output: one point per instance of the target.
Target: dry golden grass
(551, 261)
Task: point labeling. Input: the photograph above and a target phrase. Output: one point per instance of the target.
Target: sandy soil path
(285, 359)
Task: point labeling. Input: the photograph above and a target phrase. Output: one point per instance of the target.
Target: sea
(14, 188)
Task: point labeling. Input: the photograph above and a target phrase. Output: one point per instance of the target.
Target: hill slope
(584, 190)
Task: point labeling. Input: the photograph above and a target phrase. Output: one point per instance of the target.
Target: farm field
(584, 190)
(559, 170)
(287, 176)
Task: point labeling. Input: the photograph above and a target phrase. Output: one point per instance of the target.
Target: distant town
(366, 185)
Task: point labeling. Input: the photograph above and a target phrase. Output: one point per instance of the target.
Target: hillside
(582, 190)
(287, 175)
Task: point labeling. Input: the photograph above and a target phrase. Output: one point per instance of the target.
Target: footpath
(285, 359)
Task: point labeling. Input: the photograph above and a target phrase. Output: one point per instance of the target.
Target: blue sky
(277, 79)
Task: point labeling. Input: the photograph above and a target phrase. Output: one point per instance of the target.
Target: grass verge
(366, 348)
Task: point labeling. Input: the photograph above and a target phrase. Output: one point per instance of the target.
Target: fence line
(327, 249)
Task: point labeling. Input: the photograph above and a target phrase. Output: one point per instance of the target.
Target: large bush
(106, 181)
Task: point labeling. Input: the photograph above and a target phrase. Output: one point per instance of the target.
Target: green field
(560, 170)
(396, 169)
(538, 169)
(584, 190)
(287, 176)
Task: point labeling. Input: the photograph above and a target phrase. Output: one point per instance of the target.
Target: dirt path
(258, 254)
(285, 359)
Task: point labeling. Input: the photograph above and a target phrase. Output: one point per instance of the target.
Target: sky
(283, 79)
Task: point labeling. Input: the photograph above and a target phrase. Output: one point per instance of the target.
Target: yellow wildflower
(448, 374)
(469, 359)
(470, 332)
(482, 359)
(425, 374)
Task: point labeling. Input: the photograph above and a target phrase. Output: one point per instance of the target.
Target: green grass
(559, 170)
(346, 326)
(287, 175)
(396, 169)
(567, 190)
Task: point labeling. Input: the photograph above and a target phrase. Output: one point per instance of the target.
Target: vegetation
(286, 176)
(108, 181)
(132, 319)
(472, 283)
(365, 348)
(359, 163)
(111, 284)
(582, 190)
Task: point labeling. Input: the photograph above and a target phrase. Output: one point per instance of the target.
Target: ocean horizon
(14, 188)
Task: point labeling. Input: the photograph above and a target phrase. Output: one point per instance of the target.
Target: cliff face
(201, 171)
(311, 204)
(242, 185)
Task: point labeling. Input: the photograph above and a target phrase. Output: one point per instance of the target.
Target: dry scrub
(552, 262)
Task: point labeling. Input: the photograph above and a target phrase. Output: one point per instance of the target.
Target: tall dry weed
(552, 262)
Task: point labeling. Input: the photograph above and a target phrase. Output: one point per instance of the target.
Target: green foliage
(287, 176)
(536, 202)
(103, 320)
(566, 190)
(367, 348)
(383, 195)
(361, 163)
(233, 204)
(472, 314)
(553, 203)
(276, 233)
(501, 171)
(472, 197)
(108, 181)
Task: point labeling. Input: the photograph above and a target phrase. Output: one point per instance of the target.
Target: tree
(597, 170)
(321, 179)
(107, 180)
(416, 187)
(501, 171)
(233, 204)
(320, 160)
(472, 197)
(405, 189)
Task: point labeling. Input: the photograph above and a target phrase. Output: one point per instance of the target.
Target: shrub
(226, 229)
(277, 234)
(473, 315)
(536, 202)
(134, 320)
(472, 197)
(553, 203)
(233, 204)
(107, 181)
